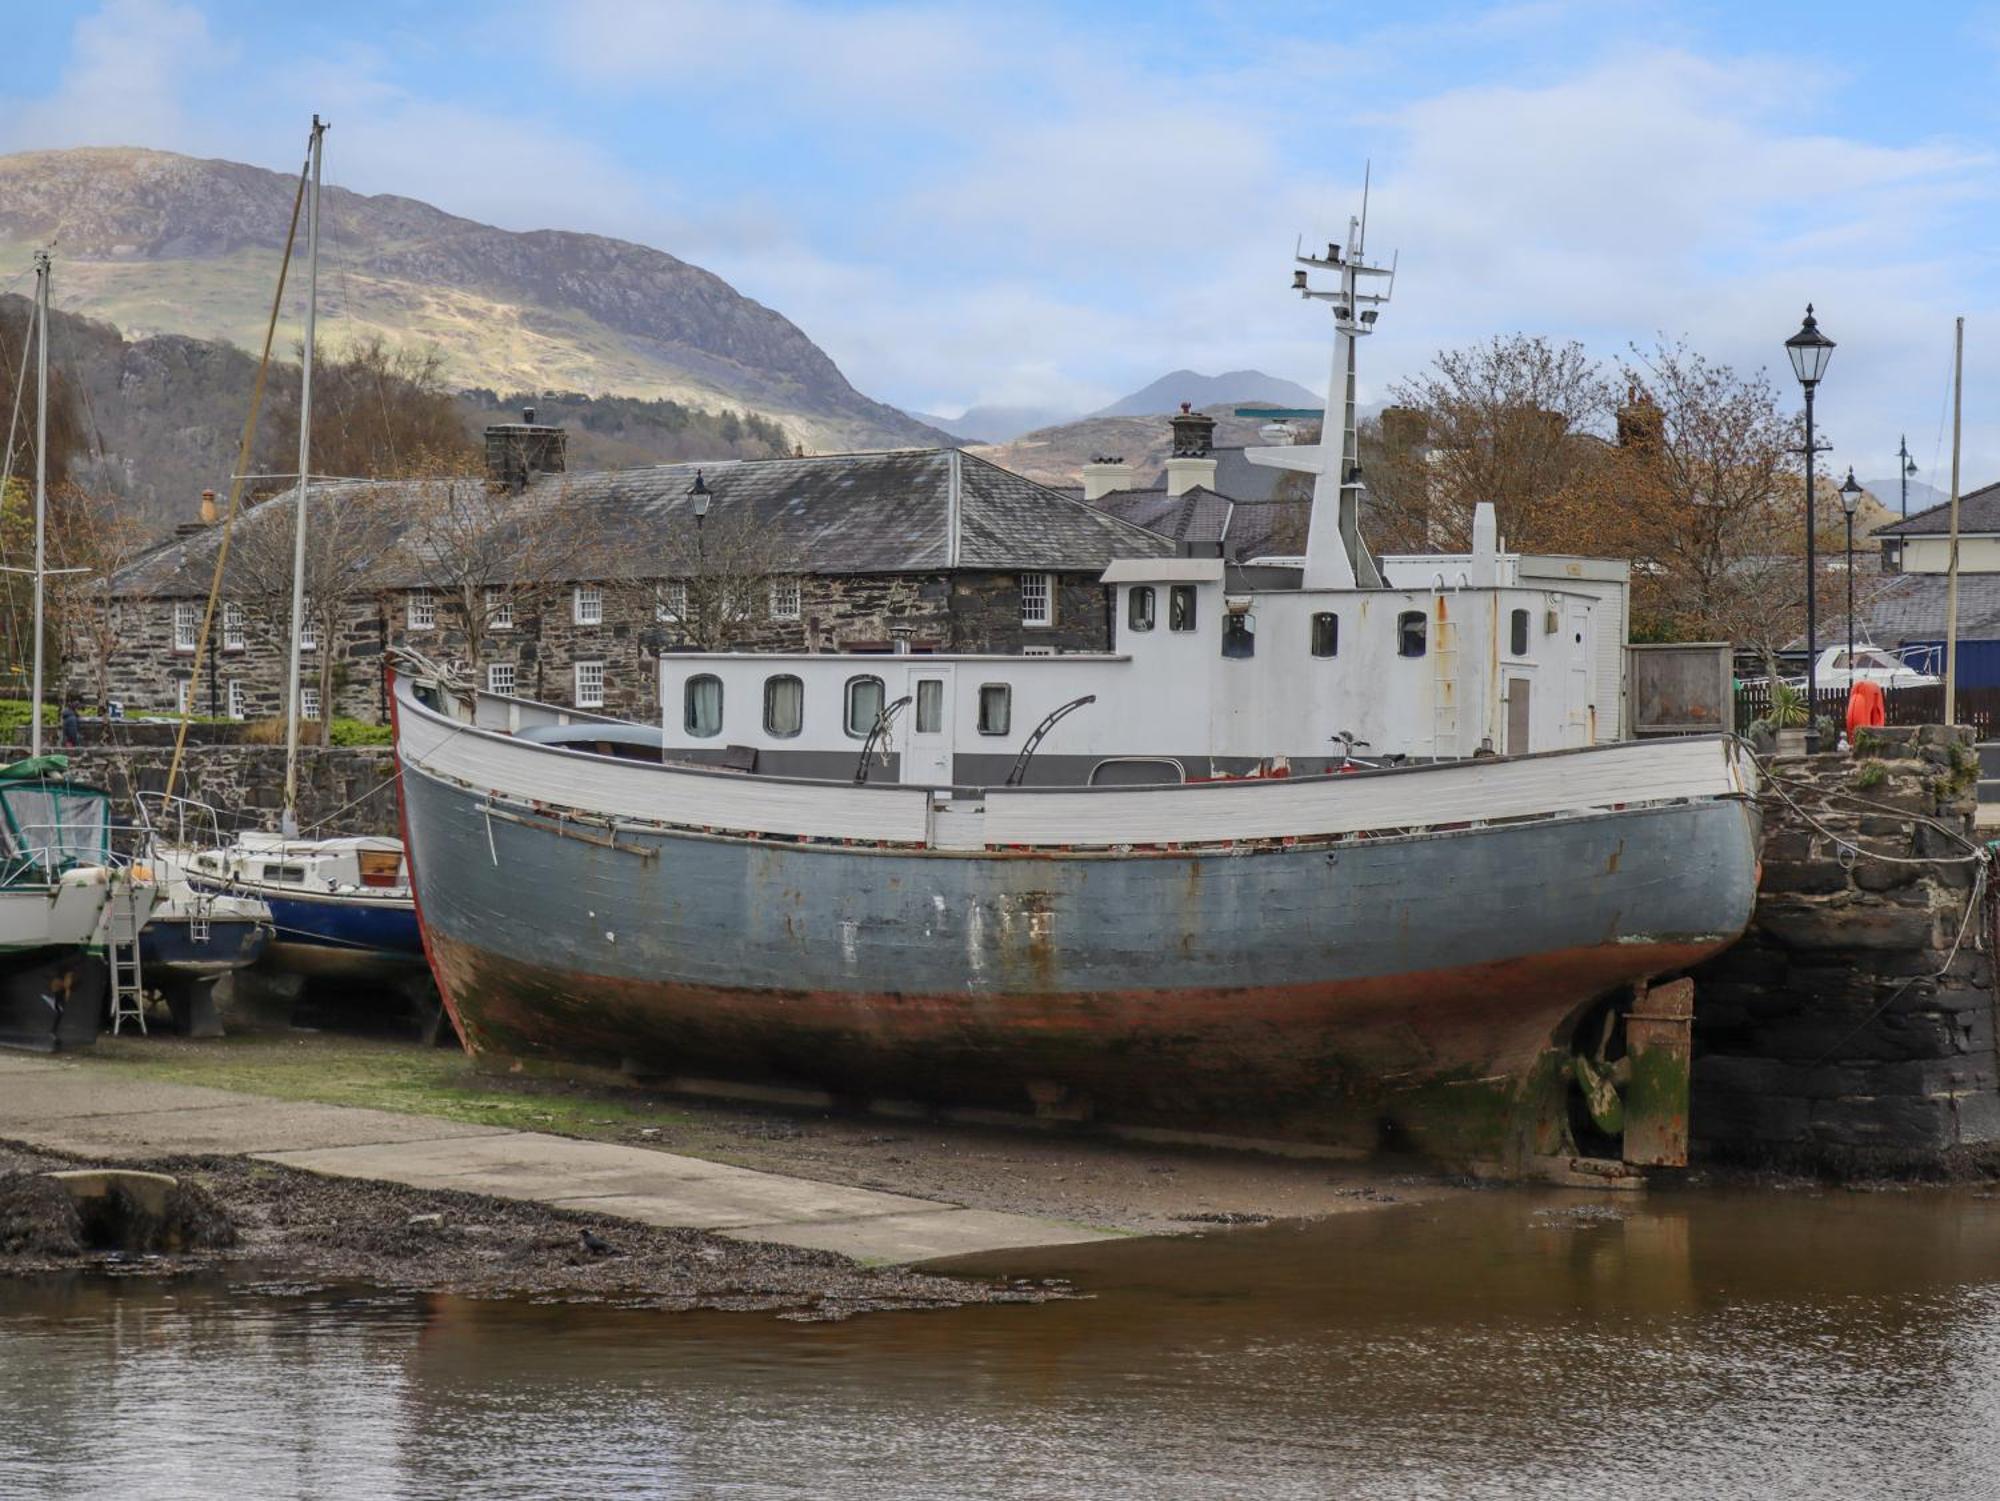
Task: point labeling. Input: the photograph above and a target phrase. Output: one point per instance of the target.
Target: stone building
(918, 550)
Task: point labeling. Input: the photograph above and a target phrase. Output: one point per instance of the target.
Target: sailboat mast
(291, 817)
(41, 484)
(1951, 581)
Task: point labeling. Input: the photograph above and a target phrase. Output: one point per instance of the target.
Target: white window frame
(308, 702)
(238, 700)
(786, 599)
(495, 671)
(232, 626)
(421, 610)
(308, 635)
(586, 673)
(499, 610)
(587, 605)
(183, 695)
(187, 625)
(670, 603)
(1038, 587)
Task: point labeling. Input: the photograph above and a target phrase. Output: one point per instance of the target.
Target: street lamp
(1850, 498)
(1909, 469)
(1810, 350)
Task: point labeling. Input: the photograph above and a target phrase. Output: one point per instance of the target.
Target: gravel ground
(292, 1228)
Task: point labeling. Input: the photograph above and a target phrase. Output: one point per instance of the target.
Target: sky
(1055, 204)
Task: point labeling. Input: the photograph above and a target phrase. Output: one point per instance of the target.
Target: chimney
(1103, 474)
(1193, 461)
(206, 518)
(518, 451)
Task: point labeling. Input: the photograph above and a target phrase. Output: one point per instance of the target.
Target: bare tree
(378, 411)
(1705, 493)
(91, 536)
(350, 533)
(720, 578)
(489, 554)
(1517, 421)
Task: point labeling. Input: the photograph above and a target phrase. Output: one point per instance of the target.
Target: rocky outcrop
(1852, 1030)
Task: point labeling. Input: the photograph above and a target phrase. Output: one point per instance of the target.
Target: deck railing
(1978, 707)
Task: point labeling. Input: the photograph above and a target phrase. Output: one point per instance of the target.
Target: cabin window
(1139, 607)
(422, 611)
(500, 678)
(1326, 634)
(784, 599)
(864, 705)
(996, 708)
(232, 626)
(930, 706)
(1239, 635)
(283, 873)
(185, 621)
(1037, 598)
(702, 705)
(499, 610)
(784, 706)
(590, 685)
(238, 700)
(1180, 607)
(1517, 633)
(589, 605)
(1410, 629)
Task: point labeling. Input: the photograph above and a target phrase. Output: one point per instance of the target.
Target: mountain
(1056, 455)
(1922, 496)
(1232, 388)
(155, 243)
(997, 424)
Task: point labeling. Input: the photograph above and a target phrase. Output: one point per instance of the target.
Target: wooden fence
(1978, 707)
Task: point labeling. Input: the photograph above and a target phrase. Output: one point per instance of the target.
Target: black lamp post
(1810, 350)
(1909, 468)
(1850, 499)
(702, 498)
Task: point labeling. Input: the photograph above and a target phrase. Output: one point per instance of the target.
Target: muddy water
(1712, 1345)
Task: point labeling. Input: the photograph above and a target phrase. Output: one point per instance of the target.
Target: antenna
(1361, 231)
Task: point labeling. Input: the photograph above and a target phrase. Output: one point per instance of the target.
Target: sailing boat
(63, 893)
(341, 907)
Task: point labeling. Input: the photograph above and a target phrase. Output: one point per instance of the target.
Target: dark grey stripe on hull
(760, 915)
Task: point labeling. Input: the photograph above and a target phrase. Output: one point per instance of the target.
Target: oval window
(784, 706)
(1410, 627)
(1139, 607)
(996, 708)
(703, 706)
(864, 705)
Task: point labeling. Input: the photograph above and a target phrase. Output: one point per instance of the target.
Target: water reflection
(1699, 1345)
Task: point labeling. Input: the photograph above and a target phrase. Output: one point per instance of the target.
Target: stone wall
(1844, 1033)
(964, 612)
(341, 790)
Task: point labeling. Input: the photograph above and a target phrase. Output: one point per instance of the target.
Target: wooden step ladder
(121, 955)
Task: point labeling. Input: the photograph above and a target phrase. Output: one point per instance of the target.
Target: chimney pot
(208, 512)
(528, 415)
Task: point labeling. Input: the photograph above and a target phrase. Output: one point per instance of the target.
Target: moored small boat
(339, 908)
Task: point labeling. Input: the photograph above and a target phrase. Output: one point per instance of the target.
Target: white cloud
(131, 67)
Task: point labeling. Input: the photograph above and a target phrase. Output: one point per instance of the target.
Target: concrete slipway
(66, 1107)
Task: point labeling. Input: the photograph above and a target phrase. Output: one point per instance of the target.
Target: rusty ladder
(1444, 677)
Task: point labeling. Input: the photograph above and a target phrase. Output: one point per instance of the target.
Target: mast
(290, 824)
(1336, 557)
(41, 484)
(1951, 582)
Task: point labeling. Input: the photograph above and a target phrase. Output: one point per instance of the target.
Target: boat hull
(336, 935)
(169, 949)
(1416, 988)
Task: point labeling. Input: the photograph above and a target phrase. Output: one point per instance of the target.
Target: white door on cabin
(1577, 727)
(1519, 700)
(927, 728)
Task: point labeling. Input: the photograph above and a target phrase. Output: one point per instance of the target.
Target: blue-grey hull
(1408, 985)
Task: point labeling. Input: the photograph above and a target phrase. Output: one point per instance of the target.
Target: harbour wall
(1852, 1031)
(342, 789)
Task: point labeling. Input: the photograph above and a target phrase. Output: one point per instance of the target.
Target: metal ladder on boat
(1444, 676)
(121, 955)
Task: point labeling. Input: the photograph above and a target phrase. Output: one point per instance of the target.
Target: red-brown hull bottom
(1464, 1063)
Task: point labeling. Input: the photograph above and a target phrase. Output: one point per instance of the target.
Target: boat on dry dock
(1144, 886)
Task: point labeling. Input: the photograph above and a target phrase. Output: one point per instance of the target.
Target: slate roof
(1236, 477)
(895, 512)
(1978, 513)
(1911, 607)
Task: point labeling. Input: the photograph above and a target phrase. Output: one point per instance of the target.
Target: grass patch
(387, 1074)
